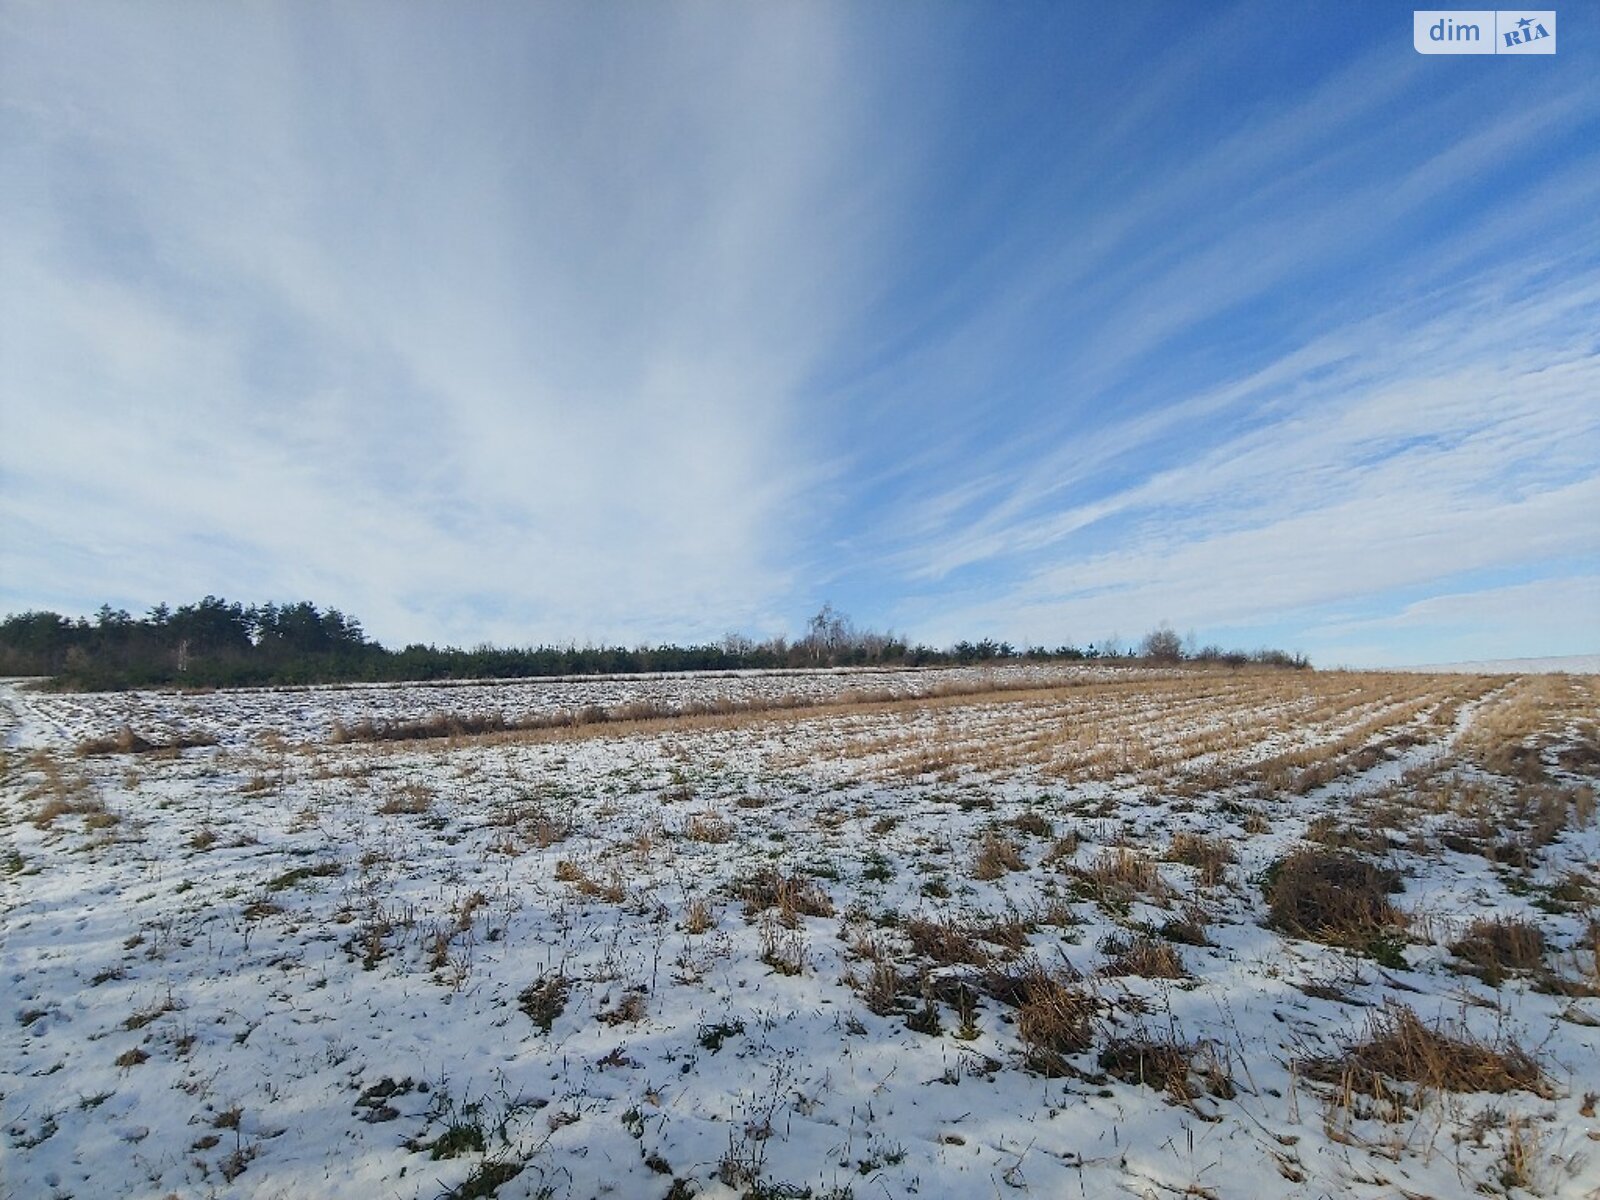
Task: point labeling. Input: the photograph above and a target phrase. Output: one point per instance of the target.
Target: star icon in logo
(1525, 22)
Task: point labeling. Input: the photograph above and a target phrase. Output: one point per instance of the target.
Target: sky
(622, 323)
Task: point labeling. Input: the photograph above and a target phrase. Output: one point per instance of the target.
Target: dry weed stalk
(698, 916)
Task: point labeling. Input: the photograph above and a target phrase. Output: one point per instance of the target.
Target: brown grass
(610, 889)
(1183, 1070)
(707, 827)
(880, 988)
(1209, 856)
(204, 838)
(1121, 876)
(1054, 1019)
(1498, 946)
(629, 1010)
(794, 896)
(945, 942)
(1146, 957)
(1062, 848)
(84, 804)
(126, 741)
(1537, 716)
(1336, 834)
(1399, 1047)
(1188, 928)
(1033, 824)
(412, 800)
(1332, 897)
(698, 916)
(995, 856)
(60, 793)
(545, 999)
(783, 944)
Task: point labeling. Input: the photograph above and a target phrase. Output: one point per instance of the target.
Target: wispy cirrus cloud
(1393, 456)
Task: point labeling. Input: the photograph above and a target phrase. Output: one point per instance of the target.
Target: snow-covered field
(1575, 664)
(1041, 942)
(239, 716)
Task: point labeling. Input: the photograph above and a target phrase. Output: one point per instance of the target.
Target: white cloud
(299, 286)
(1571, 604)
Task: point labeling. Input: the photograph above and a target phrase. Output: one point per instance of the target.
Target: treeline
(215, 643)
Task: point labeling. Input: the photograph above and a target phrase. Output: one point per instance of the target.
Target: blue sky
(626, 322)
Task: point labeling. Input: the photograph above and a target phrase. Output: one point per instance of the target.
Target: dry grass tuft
(1399, 1047)
(945, 942)
(54, 808)
(794, 896)
(783, 944)
(1146, 957)
(708, 827)
(1332, 897)
(1054, 1018)
(610, 889)
(1497, 946)
(880, 989)
(1122, 876)
(1184, 1070)
(412, 800)
(1063, 848)
(995, 856)
(61, 793)
(545, 999)
(1329, 831)
(698, 916)
(126, 741)
(1209, 856)
(1033, 824)
(629, 1010)
(1189, 927)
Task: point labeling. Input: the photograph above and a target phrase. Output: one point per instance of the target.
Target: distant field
(1054, 931)
(1573, 664)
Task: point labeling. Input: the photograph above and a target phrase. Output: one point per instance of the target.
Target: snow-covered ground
(1574, 664)
(940, 949)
